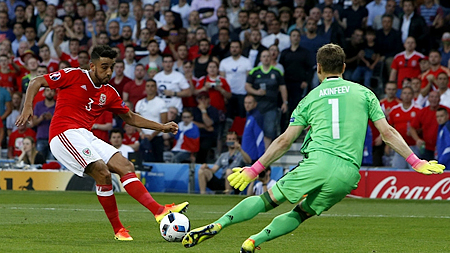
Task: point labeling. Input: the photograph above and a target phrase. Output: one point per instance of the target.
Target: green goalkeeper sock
(280, 225)
(245, 210)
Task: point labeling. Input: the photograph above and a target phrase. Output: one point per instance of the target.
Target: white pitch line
(268, 214)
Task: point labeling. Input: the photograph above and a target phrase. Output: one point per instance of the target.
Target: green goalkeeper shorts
(325, 178)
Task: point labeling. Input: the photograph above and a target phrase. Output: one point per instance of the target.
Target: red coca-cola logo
(390, 188)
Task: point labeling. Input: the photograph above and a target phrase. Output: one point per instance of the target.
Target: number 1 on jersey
(334, 102)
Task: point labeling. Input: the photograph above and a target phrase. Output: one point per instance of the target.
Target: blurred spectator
(18, 30)
(413, 25)
(124, 19)
(253, 51)
(188, 68)
(264, 82)
(7, 76)
(40, 7)
(401, 117)
(141, 50)
(194, 21)
(152, 28)
(172, 43)
(126, 40)
(389, 11)
(368, 62)
(443, 140)
(445, 50)
(30, 35)
(262, 184)
(168, 24)
(206, 117)
(206, 9)
(19, 13)
(354, 17)
(299, 18)
(429, 10)
(163, 18)
(103, 125)
(83, 60)
(51, 64)
(353, 51)
(119, 80)
(182, 53)
(388, 40)
(330, 28)
(285, 18)
(16, 102)
(135, 90)
(243, 22)
(30, 154)
(54, 36)
(153, 55)
(442, 88)
(5, 32)
(406, 63)
(222, 49)
(429, 78)
(274, 53)
(114, 33)
(152, 108)
(235, 157)
(79, 33)
(116, 138)
(43, 113)
(375, 8)
(418, 98)
(72, 57)
(233, 11)
(298, 70)
(172, 85)
(187, 139)
(182, 8)
(252, 138)
(131, 137)
(390, 100)
(201, 63)
(194, 51)
(223, 22)
(254, 23)
(129, 62)
(276, 37)
(235, 69)
(15, 142)
(217, 87)
(424, 128)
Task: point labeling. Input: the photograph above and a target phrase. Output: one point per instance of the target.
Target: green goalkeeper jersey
(338, 112)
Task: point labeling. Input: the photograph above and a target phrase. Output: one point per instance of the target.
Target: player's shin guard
(247, 209)
(136, 189)
(107, 199)
(281, 225)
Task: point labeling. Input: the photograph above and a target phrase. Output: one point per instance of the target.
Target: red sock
(136, 189)
(106, 197)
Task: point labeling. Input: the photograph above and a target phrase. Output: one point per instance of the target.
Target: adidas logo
(230, 217)
(267, 231)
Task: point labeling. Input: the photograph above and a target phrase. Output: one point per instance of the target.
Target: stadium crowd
(227, 68)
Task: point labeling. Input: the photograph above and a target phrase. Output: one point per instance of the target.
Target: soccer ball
(174, 227)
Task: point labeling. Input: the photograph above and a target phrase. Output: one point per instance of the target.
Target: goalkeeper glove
(241, 177)
(425, 167)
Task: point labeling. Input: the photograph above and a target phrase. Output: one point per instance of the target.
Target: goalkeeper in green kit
(338, 112)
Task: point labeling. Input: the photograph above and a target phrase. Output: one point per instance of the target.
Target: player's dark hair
(116, 130)
(331, 58)
(103, 51)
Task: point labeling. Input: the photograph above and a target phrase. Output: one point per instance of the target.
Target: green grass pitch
(75, 222)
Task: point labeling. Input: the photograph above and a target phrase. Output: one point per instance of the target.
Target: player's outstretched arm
(33, 88)
(137, 120)
(241, 177)
(392, 138)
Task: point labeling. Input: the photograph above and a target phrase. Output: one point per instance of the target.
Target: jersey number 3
(334, 102)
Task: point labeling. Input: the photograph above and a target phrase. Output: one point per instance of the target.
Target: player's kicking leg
(120, 165)
(245, 210)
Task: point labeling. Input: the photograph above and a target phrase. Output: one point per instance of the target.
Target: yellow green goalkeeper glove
(425, 167)
(241, 177)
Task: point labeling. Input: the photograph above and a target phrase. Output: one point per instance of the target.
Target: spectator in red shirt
(51, 64)
(7, 77)
(131, 137)
(16, 139)
(401, 117)
(429, 78)
(135, 90)
(119, 81)
(188, 68)
(172, 43)
(103, 125)
(72, 58)
(215, 85)
(424, 127)
(390, 100)
(406, 63)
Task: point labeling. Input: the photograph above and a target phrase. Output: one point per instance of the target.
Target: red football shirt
(401, 120)
(72, 60)
(426, 121)
(8, 81)
(52, 65)
(190, 101)
(406, 68)
(105, 117)
(119, 86)
(386, 105)
(441, 69)
(80, 102)
(16, 140)
(130, 140)
(135, 92)
(217, 99)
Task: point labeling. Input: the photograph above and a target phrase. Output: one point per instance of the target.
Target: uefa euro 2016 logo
(55, 76)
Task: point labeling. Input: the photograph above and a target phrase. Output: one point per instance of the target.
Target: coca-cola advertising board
(395, 184)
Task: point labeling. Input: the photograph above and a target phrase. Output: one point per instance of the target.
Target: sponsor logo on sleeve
(55, 76)
(292, 119)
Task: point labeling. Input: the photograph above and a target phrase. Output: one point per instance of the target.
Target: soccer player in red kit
(83, 95)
